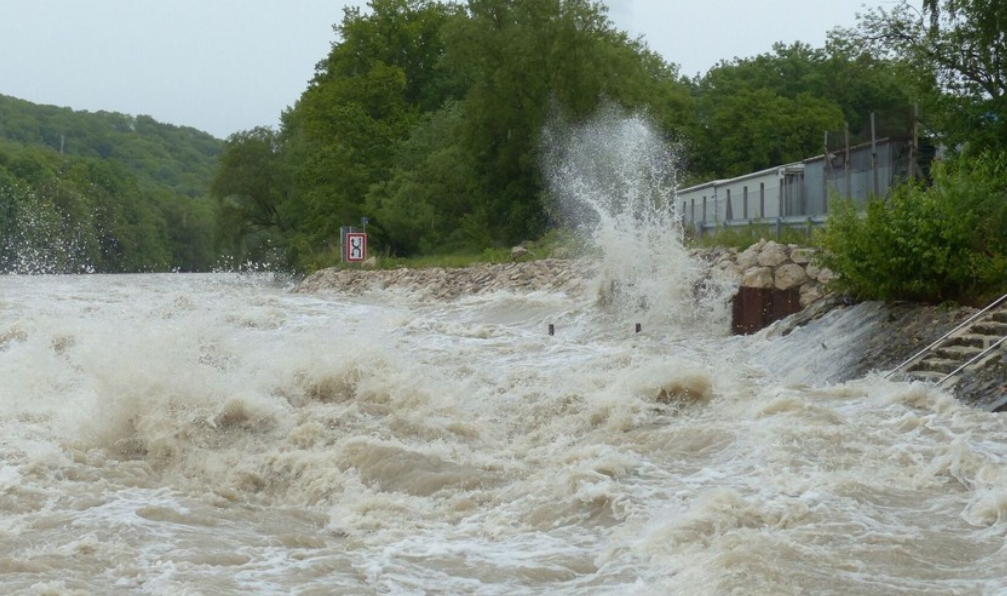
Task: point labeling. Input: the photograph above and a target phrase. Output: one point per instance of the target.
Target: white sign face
(356, 247)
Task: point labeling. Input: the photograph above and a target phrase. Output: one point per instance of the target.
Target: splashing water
(36, 237)
(614, 181)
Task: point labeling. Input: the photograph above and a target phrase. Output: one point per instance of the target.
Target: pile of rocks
(567, 275)
(771, 265)
(763, 265)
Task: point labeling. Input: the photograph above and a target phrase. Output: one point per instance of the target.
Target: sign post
(356, 247)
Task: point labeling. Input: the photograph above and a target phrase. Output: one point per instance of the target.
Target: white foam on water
(187, 434)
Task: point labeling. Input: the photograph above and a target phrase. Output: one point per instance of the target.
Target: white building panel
(753, 197)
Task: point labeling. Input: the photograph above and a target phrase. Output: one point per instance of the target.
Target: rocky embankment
(764, 265)
(567, 275)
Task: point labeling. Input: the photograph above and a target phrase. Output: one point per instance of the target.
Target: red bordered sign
(356, 247)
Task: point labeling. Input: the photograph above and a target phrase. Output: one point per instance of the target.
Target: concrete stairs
(969, 347)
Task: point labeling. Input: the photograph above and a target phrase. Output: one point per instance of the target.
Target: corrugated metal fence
(797, 195)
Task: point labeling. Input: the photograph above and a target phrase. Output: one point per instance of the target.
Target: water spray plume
(613, 180)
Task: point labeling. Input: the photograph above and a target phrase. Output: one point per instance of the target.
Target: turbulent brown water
(222, 435)
(188, 434)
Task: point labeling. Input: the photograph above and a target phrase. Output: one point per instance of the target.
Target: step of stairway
(972, 339)
(936, 364)
(999, 316)
(990, 327)
(961, 353)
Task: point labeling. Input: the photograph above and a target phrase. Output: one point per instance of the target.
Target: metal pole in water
(639, 327)
(552, 329)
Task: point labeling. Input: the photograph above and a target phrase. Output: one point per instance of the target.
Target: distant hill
(103, 192)
(161, 156)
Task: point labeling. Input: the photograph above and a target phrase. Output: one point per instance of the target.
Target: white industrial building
(797, 193)
(758, 196)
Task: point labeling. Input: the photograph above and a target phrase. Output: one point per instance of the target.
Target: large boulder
(748, 258)
(802, 256)
(789, 276)
(758, 277)
(811, 293)
(773, 254)
(731, 272)
(826, 276)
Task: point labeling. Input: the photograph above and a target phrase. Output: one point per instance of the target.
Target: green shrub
(945, 242)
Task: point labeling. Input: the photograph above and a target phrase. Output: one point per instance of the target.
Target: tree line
(426, 117)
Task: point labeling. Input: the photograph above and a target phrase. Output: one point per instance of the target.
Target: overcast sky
(228, 65)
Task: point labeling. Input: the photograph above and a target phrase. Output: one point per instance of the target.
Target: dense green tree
(529, 61)
(248, 193)
(863, 82)
(71, 214)
(402, 34)
(751, 130)
(427, 118)
(341, 136)
(191, 224)
(958, 52)
(345, 137)
(754, 113)
(130, 231)
(424, 205)
(181, 159)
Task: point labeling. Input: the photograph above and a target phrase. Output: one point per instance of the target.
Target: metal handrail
(961, 326)
(973, 359)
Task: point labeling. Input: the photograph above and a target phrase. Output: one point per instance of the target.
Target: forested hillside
(427, 117)
(103, 192)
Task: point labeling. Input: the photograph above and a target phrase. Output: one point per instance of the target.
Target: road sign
(356, 247)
